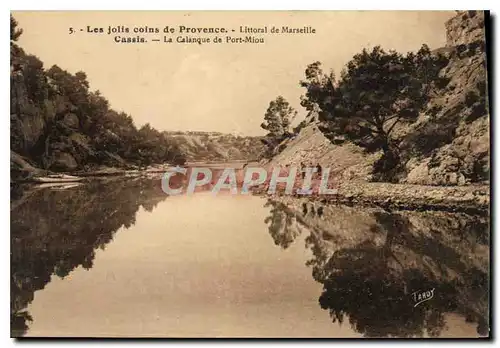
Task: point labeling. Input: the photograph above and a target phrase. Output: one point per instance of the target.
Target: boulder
(419, 174)
(63, 162)
(71, 121)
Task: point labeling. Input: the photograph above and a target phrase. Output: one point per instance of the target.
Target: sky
(215, 87)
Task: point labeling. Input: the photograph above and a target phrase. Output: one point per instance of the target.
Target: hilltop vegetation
(215, 146)
(59, 124)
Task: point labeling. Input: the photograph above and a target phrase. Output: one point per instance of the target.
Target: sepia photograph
(250, 174)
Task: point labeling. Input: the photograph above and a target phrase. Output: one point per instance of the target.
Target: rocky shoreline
(473, 199)
(24, 172)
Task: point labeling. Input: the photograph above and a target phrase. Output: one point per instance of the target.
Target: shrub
(470, 98)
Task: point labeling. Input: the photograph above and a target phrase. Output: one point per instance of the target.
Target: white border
(196, 5)
(250, 5)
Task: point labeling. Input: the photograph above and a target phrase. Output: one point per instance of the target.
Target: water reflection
(370, 262)
(55, 231)
(222, 276)
(283, 226)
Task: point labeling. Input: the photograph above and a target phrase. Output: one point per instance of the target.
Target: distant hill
(215, 146)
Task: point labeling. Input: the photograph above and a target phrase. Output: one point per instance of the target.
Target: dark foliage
(59, 123)
(377, 91)
(277, 122)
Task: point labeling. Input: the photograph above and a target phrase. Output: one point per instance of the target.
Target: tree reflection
(370, 285)
(283, 225)
(53, 232)
(369, 275)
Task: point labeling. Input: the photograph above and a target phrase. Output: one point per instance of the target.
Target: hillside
(311, 147)
(448, 144)
(58, 124)
(215, 146)
(453, 142)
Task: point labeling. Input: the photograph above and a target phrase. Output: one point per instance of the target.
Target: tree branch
(369, 129)
(392, 126)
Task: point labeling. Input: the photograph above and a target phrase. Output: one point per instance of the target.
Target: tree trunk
(386, 167)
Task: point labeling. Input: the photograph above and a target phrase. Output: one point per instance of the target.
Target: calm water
(123, 259)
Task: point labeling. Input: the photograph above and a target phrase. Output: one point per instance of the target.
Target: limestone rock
(465, 27)
(453, 143)
(449, 142)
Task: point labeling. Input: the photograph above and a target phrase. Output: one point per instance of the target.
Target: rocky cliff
(446, 145)
(457, 126)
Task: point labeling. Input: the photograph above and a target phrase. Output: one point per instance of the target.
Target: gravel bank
(474, 199)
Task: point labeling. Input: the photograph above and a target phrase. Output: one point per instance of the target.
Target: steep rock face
(452, 138)
(465, 27)
(26, 119)
(447, 145)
